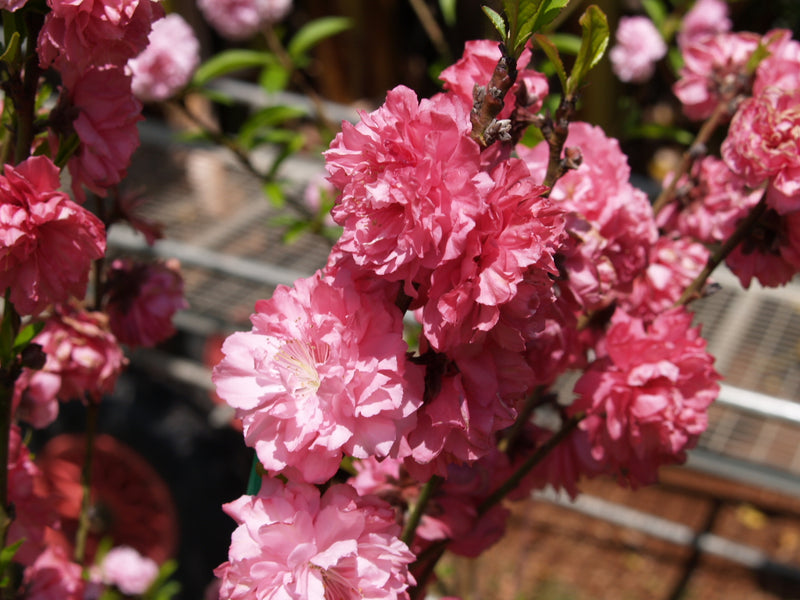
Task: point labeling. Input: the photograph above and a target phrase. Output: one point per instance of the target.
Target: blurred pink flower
(141, 300)
(36, 397)
(714, 69)
(129, 571)
(168, 62)
(33, 508)
(639, 46)
(781, 68)
(706, 18)
(647, 394)
(12, 5)
(674, 264)
(55, 577)
(771, 251)
(763, 144)
(323, 372)
(476, 66)
(47, 242)
(407, 176)
(106, 126)
(82, 352)
(78, 35)
(240, 19)
(710, 202)
(294, 544)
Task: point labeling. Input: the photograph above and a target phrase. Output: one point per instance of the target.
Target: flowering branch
(414, 517)
(489, 100)
(744, 227)
(85, 520)
(696, 150)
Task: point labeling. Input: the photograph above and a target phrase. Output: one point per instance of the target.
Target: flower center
(338, 587)
(300, 360)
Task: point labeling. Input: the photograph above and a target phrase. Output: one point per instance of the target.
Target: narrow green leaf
(594, 41)
(497, 21)
(228, 62)
(12, 49)
(566, 43)
(448, 8)
(656, 10)
(254, 128)
(550, 50)
(314, 32)
(274, 193)
(545, 13)
(26, 334)
(274, 77)
(296, 231)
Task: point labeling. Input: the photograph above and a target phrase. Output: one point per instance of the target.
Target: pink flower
(82, 353)
(639, 46)
(12, 5)
(47, 242)
(710, 202)
(714, 70)
(168, 62)
(142, 299)
(77, 35)
(240, 19)
(771, 252)
(610, 223)
(647, 394)
(55, 577)
(407, 176)
(706, 18)
(292, 543)
(674, 264)
(517, 232)
(129, 571)
(476, 66)
(323, 372)
(106, 126)
(33, 508)
(36, 397)
(781, 69)
(763, 144)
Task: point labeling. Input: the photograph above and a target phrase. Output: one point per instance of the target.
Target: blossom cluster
(497, 271)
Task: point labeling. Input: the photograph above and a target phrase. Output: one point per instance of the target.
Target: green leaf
(255, 127)
(24, 337)
(497, 21)
(314, 32)
(547, 11)
(594, 42)
(448, 8)
(6, 557)
(12, 49)
(274, 193)
(657, 11)
(549, 48)
(274, 77)
(566, 43)
(297, 229)
(228, 62)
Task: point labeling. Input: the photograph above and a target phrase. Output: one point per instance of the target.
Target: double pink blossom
(53, 576)
(47, 242)
(706, 18)
(129, 571)
(106, 125)
(763, 144)
(34, 511)
(240, 19)
(293, 543)
(639, 46)
(408, 191)
(77, 35)
(646, 396)
(82, 355)
(323, 372)
(141, 299)
(168, 62)
(714, 70)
